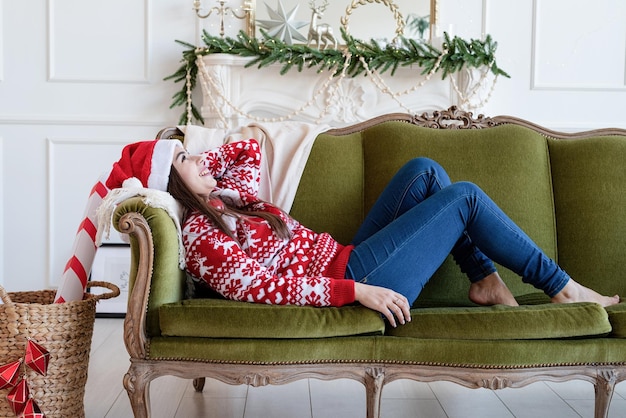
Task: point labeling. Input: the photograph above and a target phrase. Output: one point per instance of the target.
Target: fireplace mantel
(244, 95)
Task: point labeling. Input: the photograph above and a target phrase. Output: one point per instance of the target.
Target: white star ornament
(282, 25)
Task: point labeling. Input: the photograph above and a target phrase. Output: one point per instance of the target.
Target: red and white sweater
(307, 269)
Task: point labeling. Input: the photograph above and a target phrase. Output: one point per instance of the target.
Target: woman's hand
(386, 301)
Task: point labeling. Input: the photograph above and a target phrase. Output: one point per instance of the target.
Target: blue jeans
(421, 217)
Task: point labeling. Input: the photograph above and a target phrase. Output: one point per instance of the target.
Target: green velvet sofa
(567, 191)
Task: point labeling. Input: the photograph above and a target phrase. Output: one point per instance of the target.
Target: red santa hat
(146, 162)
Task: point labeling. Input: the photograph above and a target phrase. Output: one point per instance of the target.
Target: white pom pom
(132, 182)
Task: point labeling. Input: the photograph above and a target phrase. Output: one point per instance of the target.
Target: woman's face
(193, 172)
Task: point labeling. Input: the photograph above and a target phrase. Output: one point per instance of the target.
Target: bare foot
(491, 291)
(575, 292)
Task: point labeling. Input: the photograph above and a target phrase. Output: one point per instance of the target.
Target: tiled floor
(174, 397)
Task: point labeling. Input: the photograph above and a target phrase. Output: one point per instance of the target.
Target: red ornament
(9, 373)
(18, 396)
(32, 410)
(37, 357)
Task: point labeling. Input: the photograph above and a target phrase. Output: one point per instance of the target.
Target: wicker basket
(65, 330)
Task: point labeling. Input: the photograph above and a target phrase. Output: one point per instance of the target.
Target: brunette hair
(193, 202)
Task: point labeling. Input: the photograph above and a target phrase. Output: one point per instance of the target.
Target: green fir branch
(267, 51)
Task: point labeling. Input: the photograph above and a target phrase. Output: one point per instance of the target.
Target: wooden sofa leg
(137, 385)
(374, 378)
(198, 384)
(604, 388)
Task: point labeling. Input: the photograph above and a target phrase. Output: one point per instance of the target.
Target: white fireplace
(235, 95)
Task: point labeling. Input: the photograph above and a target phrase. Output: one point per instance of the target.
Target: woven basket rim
(114, 291)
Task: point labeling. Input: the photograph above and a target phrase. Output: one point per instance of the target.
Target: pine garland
(264, 52)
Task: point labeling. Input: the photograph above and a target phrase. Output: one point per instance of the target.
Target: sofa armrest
(155, 276)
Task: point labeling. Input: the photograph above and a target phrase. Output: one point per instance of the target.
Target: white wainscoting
(567, 61)
(121, 56)
(2, 236)
(585, 51)
(2, 41)
(73, 171)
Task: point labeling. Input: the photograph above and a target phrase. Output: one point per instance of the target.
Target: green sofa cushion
(218, 318)
(507, 323)
(617, 318)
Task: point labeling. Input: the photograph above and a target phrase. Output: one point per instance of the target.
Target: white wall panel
(24, 206)
(98, 41)
(538, 43)
(579, 47)
(2, 37)
(2, 237)
(463, 18)
(48, 172)
(74, 166)
(110, 72)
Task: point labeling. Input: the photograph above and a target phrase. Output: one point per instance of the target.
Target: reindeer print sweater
(258, 266)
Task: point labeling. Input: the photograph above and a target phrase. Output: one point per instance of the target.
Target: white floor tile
(586, 408)
(282, 401)
(108, 362)
(461, 402)
(103, 331)
(535, 401)
(166, 393)
(216, 389)
(575, 389)
(337, 398)
(617, 409)
(120, 408)
(620, 390)
(211, 407)
(407, 389)
(411, 408)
